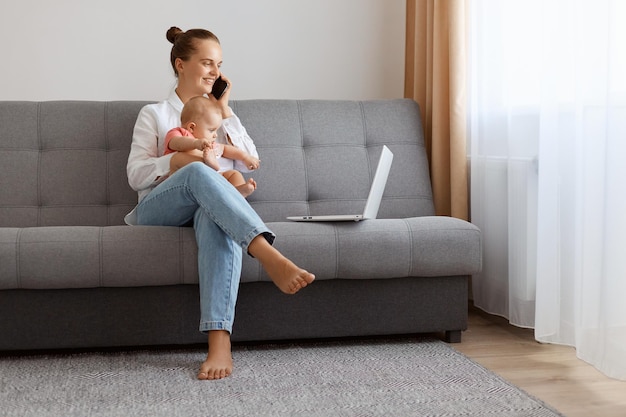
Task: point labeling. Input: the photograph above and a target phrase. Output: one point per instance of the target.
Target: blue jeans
(224, 223)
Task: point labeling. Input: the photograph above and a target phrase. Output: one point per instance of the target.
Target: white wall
(116, 49)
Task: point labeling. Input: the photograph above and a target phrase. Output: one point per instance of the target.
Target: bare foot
(287, 276)
(219, 361)
(208, 155)
(247, 188)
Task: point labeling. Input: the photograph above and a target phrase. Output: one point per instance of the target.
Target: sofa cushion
(125, 256)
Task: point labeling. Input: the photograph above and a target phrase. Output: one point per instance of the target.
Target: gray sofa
(72, 275)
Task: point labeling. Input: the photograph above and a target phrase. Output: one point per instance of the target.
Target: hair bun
(172, 33)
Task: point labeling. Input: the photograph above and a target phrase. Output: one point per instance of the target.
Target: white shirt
(147, 166)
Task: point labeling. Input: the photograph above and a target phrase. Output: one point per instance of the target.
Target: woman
(224, 222)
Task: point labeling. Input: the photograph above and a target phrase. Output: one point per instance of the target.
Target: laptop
(373, 200)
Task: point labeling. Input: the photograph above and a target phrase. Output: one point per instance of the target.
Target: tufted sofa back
(64, 162)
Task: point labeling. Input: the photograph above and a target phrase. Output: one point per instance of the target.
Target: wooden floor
(551, 373)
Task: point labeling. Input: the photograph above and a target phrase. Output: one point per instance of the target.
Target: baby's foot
(247, 188)
(219, 361)
(208, 155)
(288, 277)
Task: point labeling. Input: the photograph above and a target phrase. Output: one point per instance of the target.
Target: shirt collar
(175, 101)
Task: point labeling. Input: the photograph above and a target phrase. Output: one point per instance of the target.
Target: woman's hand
(223, 101)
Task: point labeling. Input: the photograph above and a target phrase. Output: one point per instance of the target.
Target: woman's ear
(179, 64)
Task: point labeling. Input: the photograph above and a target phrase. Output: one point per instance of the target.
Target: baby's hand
(202, 143)
(251, 162)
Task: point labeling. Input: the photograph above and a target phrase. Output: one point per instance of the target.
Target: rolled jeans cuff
(208, 326)
(269, 236)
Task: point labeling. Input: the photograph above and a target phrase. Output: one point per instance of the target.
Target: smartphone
(219, 86)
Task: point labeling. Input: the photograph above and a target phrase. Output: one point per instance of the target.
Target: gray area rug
(390, 377)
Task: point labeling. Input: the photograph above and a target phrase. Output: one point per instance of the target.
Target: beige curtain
(435, 77)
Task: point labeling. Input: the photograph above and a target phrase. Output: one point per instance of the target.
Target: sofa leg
(453, 336)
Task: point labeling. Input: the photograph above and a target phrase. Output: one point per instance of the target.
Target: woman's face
(197, 75)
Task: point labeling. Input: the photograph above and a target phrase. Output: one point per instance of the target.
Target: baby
(195, 141)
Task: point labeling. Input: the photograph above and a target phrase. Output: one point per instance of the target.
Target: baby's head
(201, 117)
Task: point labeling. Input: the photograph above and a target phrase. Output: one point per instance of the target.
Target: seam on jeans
(229, 298)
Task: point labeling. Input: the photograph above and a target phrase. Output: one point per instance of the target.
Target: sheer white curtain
(548, 170)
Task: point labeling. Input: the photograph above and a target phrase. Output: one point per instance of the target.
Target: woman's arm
(145, 168)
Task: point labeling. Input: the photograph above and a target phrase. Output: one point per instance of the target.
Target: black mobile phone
(219, 86)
